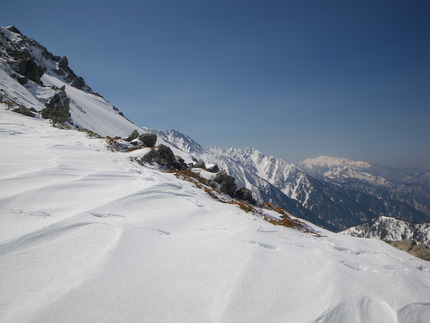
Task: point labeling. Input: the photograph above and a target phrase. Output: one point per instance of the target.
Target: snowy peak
(318, 166)
(269, 168)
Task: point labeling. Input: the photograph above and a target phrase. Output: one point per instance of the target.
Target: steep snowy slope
(32, 76)
(89, 236)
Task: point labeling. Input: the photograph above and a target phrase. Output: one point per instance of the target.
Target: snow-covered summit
(318, 166)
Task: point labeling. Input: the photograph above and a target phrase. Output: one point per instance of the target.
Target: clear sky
(295, 79)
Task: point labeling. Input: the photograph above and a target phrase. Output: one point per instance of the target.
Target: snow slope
(88, 110)
(86, 235)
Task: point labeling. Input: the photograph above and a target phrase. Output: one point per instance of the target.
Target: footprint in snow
(30, 213)
(196, 203)
(261, 244)
(103, 215)
(353, 265)
(354, 252)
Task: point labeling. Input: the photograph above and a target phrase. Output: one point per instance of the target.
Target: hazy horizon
(294, 79)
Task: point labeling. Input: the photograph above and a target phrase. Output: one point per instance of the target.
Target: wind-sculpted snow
(87, 235)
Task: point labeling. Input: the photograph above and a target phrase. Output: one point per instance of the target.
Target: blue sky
(294, 79)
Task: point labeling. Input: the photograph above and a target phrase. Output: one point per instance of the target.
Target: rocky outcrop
(245, 195)
(14, 30)
(57, 108)
(133, 135)
(164, 157)
(226, 183)
(59, 102)
(29, 69)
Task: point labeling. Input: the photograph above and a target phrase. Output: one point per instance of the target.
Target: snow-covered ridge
(391, 229)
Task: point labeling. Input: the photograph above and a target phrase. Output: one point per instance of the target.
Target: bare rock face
(410, 246)
(13, 29)
(29, 69)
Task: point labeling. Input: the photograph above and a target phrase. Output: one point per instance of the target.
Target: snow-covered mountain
(331, 192)
(410, 186)
(335, 193)
(89, 235)
(391, 229)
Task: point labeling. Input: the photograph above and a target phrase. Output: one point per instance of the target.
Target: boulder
(133, 136)
(148, 139)
(166, 153)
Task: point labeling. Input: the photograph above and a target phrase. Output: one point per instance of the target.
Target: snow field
(86, 235)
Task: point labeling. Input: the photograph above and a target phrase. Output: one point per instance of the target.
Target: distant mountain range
(334, 193)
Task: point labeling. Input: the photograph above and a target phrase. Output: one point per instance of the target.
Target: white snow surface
(87, 235)
(15, 91)
(92, 112)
